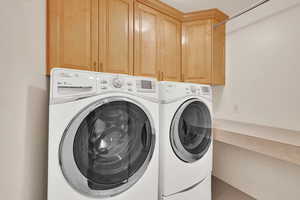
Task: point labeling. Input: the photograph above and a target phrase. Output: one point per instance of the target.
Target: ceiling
(230, 7)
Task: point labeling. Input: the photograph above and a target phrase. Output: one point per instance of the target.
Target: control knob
(117, 83)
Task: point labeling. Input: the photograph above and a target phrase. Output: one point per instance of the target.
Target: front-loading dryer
(103, 136)
(185, 141)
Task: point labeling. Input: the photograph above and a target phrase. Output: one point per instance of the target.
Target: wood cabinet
(218, 69)
(88, 35)
(170, 49)
(140, 37)
(203, 48)
(157, 44)
(116, 36)
(71, 35)
(197, 51)
(146, 41)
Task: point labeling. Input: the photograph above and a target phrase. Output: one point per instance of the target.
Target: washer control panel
(146, 86)
(67, 84)
(125, 83)
(70, 83)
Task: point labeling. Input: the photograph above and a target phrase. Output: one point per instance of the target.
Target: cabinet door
(72, 34)
(170, 49)
(116, 36)
(197, 51)
(218, 71)
(146, 41)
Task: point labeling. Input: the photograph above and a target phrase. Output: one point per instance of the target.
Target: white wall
(23, 100)
(263, 79)
(263, 67)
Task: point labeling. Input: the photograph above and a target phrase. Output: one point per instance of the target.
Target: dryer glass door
(191, 131)
(107, 148)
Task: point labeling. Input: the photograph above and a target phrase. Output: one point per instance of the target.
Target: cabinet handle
(162, 76)
(95, 65)
(101, 67)
(158, 75)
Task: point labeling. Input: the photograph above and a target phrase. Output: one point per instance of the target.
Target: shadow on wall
(218, 92)
(36, 144)
(264, 18)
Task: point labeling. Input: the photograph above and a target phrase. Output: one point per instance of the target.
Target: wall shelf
(274, 142)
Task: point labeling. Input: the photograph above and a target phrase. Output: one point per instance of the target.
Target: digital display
(146, 84)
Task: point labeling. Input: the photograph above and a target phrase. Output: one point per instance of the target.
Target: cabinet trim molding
(204, 15)
(163, 8)
(185, 17)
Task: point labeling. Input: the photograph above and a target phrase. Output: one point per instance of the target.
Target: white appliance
(185, 141)
(103, 136)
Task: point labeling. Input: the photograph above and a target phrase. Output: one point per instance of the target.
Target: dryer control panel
(172, 90)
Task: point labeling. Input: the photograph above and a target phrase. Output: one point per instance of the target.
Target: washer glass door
(107, 147)
(191, 131)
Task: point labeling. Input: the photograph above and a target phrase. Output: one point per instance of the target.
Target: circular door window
(107, 147)
(191, 131)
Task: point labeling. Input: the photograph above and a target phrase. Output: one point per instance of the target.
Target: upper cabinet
(146, 41)
(157, 44)
(170, 49)
(218, 70)
(71, 34)
(89, 35)
(116, 36)
(139, 37)
(203, 48)
(197, 51)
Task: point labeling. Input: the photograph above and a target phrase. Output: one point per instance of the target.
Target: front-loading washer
(103, 136)
(185, 141)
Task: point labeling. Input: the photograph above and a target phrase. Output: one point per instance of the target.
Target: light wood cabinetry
(88, 35)
(218, 70)
(157, 44)
(197, 51)
(170, 49)
(71, 35)
(116, 36)
(140, 37)
(146, 41)
(203, 48)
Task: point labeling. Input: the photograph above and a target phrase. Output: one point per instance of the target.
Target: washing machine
(103, 136)
(185, 141)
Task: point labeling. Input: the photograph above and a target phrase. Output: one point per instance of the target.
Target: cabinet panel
(116, 36)
(71, 34)
(197, 51)
(218, 70)
(146, 41)
(170, 49)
